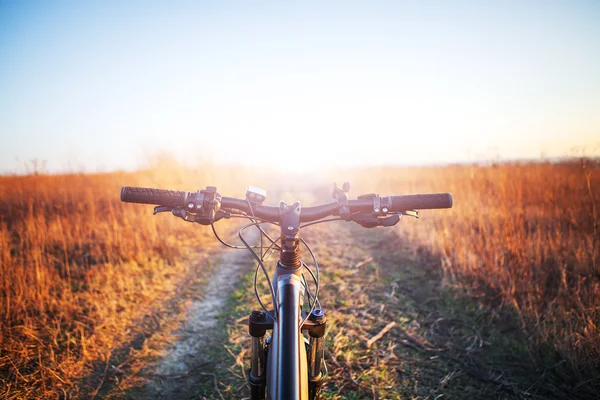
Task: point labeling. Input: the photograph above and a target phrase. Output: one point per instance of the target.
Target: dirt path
(173, 355)
(189, 352)
(395, 330)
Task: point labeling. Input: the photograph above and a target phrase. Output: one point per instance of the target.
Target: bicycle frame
(287, 374)
(287, 365)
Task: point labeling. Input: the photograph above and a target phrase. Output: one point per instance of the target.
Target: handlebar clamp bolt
(190, 205)
(376, 209)
(385, 210)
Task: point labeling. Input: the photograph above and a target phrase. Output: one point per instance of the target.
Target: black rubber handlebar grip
(161, 197)
(421, 201)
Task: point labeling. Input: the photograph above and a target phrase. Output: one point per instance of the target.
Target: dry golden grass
(525, 235)
(78, 267)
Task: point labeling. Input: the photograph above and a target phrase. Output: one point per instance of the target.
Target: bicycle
(289, 364)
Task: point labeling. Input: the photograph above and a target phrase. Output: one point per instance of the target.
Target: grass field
(79, 268)
(525, 236)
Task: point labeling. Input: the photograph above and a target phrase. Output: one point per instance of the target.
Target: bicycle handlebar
(395, 204)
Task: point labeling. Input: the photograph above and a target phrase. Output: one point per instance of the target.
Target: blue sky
(106, 85)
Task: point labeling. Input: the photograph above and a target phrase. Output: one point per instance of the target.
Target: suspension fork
(259, 323)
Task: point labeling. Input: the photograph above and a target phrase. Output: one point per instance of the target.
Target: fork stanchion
(257, 373)
(315, 352)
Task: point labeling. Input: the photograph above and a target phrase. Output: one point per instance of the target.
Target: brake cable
(274, 246)
(314, 298)
(316, 279)
(232, 246)
(264, 269)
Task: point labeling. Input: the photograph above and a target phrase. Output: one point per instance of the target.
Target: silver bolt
(290, 228)
(191, 205)
(385, 210)
(376, 209)
(199, 206)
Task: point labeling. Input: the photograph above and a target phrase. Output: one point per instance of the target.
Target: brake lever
(198, 218)
(411, 213)
(369, 221)
(159, 209)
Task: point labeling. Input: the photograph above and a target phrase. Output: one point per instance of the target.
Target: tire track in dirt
(174, 356)
(177, 374)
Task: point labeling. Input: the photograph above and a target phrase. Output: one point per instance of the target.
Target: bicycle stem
(289, 221)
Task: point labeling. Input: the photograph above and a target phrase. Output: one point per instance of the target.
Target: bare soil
(172, 350)
(188, 352)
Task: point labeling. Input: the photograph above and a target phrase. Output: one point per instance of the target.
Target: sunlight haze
(98, 86)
